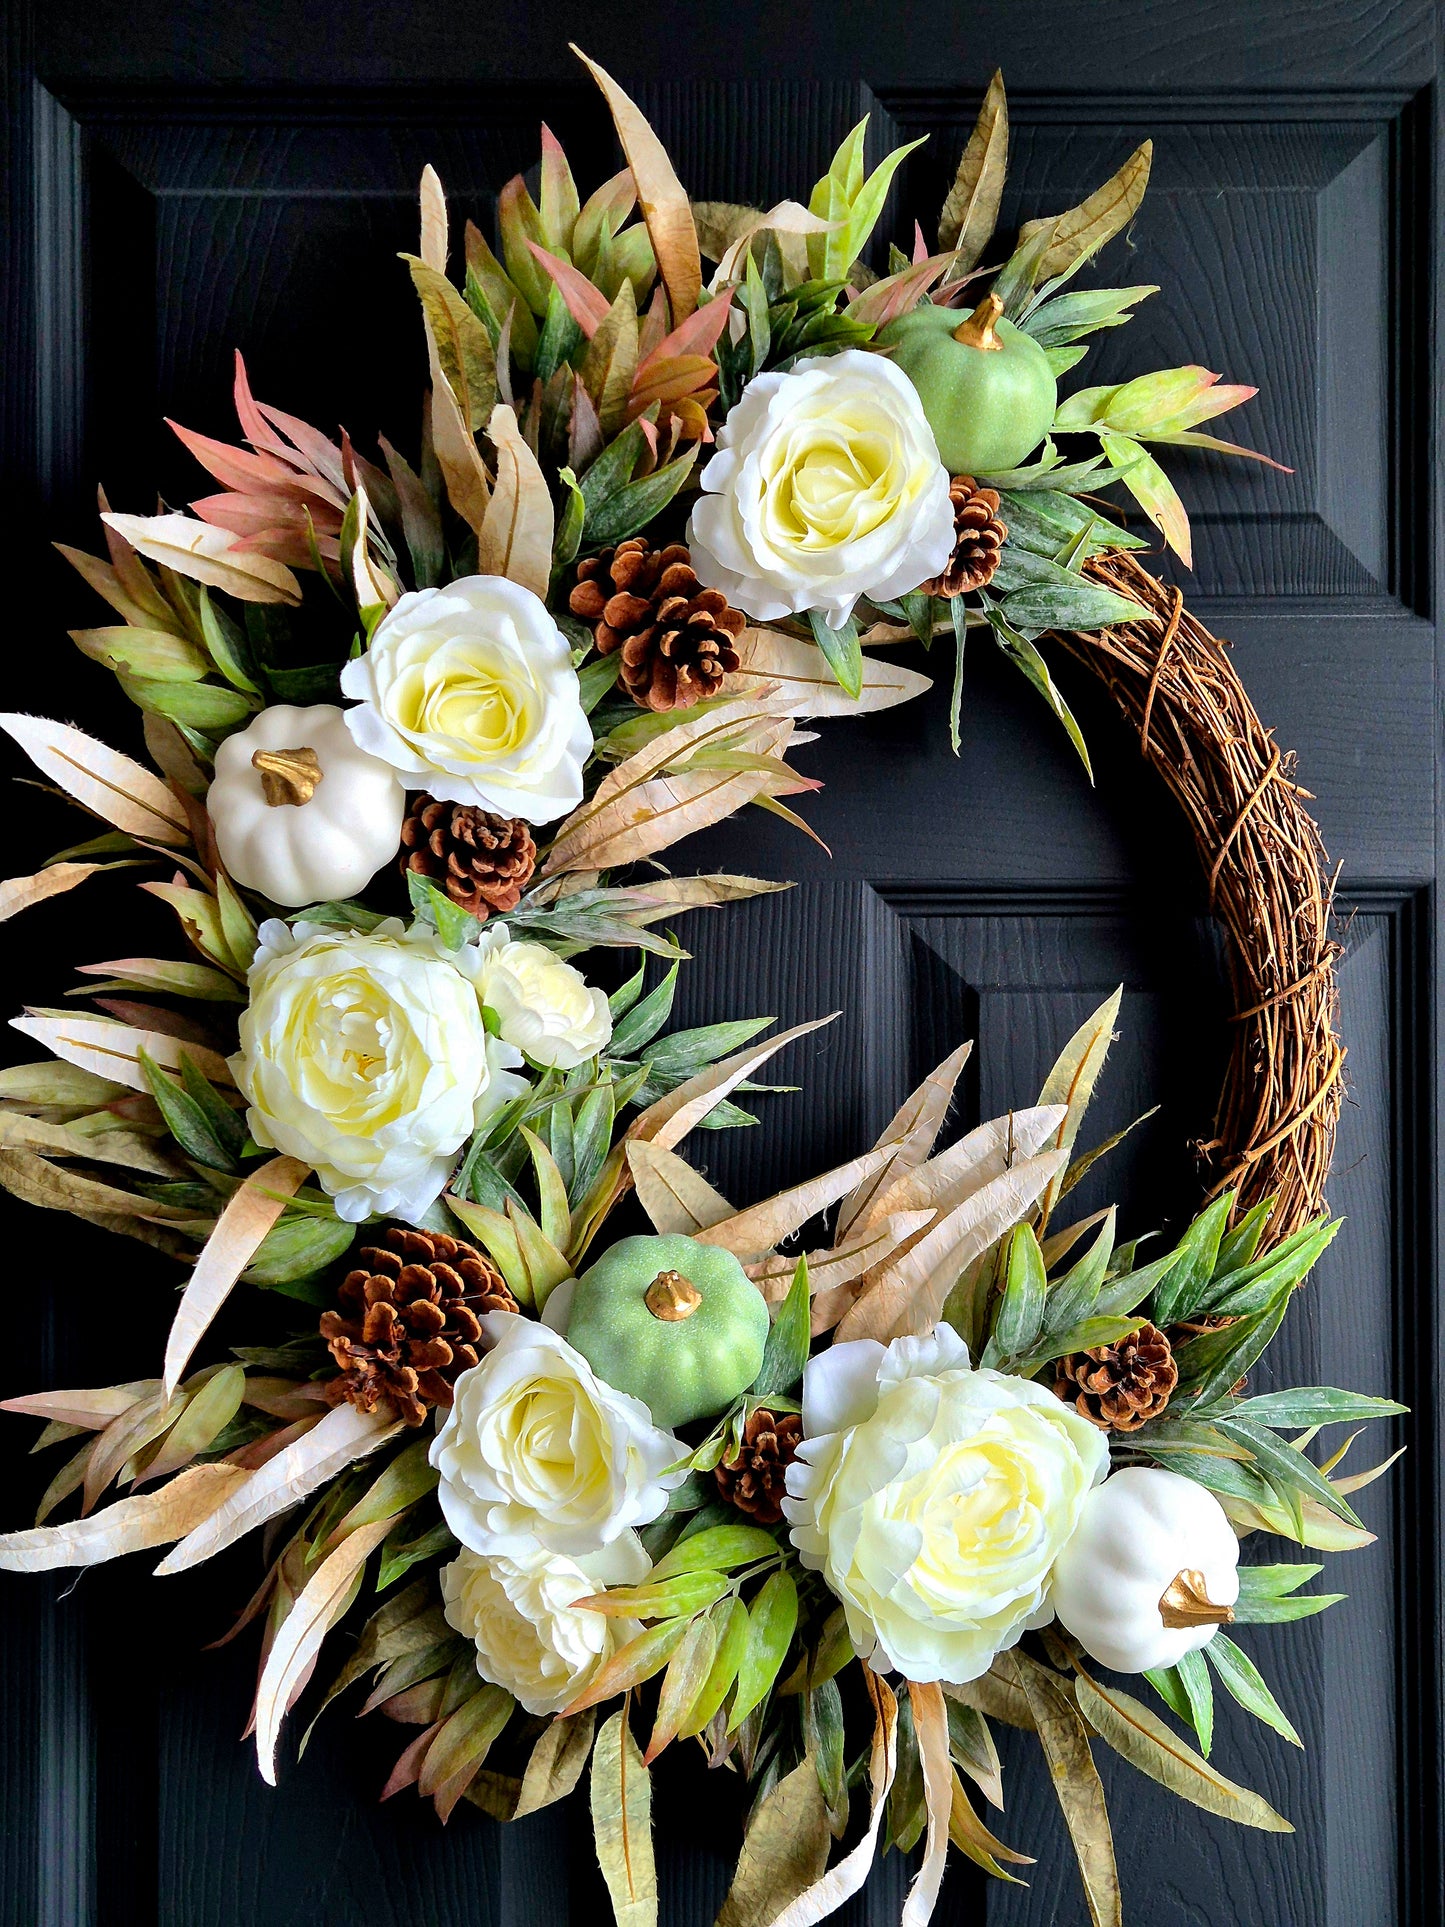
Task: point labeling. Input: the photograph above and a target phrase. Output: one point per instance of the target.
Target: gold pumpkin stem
(1185, 1602)
(288, 775)
(978, 330)
(671, 1297)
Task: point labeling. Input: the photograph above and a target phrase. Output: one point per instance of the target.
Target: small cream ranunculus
(537, 1449)
(367, 1058)
(469, 692)
(935, 1499)
(543, 1006)
(520, 1610)
(827, 485)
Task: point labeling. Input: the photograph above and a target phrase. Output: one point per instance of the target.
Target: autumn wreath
(418, 729)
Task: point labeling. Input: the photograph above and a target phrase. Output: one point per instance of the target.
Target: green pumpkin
(678, 1324)
(986, 387)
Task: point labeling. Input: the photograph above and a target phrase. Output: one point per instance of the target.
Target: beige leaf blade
(670, 895)
(130, 1149)
(112, 1050)
(464, 351)
(557, 1761)
(971, 211)
(19, 893)
(910, 1135)
(751, 1234)
(840, 1883)
(433, 220)
(980, 1155)
(784, 1851)
(342, 1437)
(997, 1694)
(459, 459)
(321, 1603)
(515, 539)
(665, 206)
(27, 1175)
(1148, 1744)
(674, 1195)
(207, 554)
(248, 1216)
(122, 792)
(930, 1724)
(135, 1524)
(788, 220)
(667, 1122)
(806, 686)
(622, 1823)
(832, 1273)
(909, 1295)
(92, 1409)
(1065, 1741)
(1071, 1081)
(1084, 229)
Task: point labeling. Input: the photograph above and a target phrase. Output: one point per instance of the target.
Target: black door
(185, 178)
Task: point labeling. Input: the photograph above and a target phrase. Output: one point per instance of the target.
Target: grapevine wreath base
(824, 1486)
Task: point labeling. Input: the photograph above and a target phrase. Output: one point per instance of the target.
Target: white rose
(521, 1612)
(934, 1499)
(536, 1448)
(544, 1006)
(367, 1058)
(827, 485)
(469, 692)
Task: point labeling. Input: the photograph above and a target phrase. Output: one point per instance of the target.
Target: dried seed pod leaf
(204, 553)
(134, 1524)
(113, 1050)
(806, 686)
(674, 1195)
(117, 789)
(751, 1234)
(910, 1136)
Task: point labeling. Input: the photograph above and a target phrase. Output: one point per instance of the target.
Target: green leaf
(1274, 1582)
(297, 1247)
(642, 1023)
(1021, 1309)
(971, 1742)
(228, 1126)
(1181, 1291)
(1278, 1612)
(455, 927)
(687, 1673)
(1194, 1678)
(1152, 490)
(1256, 1285)
(238, 926)
(677, 1598)
(198, 705)
(463, 346)
(841, 651)
(786, 1351)
(227, 643)
(1170, 1687)
(1042, 520)
(1240, 1678)
(1031, 665)
(715, 1549)
(730, 1618)
(400, 1555)
(1083, 1337)
(612, 469)
(772, 1619)
(1069, 317)
(1210, 1365)
(855, 204)
(184, 1118)
(1040, 593)
(1237, 1247)
(621, 1801)
(1072, 1298)
(1307, 1405)
(1286, 1466)
(591, 1138)
(823, 1737)
(595, 678)
(635, 504)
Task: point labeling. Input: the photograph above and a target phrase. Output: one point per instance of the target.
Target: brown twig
(1268, 885)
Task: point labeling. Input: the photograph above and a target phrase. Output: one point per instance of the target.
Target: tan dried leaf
(840, 1883)
(1071, 1081)
(248, 1216)
(556, 1763)
(135, 1524)
(1084, 229)
(121, 792)
(458, 458)
(132, 1150)
(751, 1234)
(784, 1852)
(622, 1823)
(970, 213)
(930, 1725)
(667, 1122)
(515, 539)
(19, 893)
(674, 1195)
(208, 554)
(112, 1050)
(92, 1409)
(34, 1179)
(806, 686)
(433, 220)
(981, 1154)
(910, 1135)
(1065, 1741)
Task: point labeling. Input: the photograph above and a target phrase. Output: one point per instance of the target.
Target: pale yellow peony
(543, 1005)
(935, 1499)
(827, 485)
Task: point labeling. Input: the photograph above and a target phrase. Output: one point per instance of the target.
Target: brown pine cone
(410, 1321)
(754, 1480)
(1119, 1387)
(677, 638)
(978, 537)
(482, 861)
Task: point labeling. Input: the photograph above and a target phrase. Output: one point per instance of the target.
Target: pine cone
(410, 1320)
(978, 537)
(1119, 1387)
(482, 861)
(754, 1480)
(677, 638)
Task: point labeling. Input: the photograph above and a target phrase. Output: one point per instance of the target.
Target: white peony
(521, 1612)
(935, 1499)
(537, 1449)
(469, 692)
(367, 1058)
(543, 1005)
(827, 485)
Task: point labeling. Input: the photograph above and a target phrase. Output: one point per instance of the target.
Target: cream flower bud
(469, 692)
(544, 1006)
(935, 1499)
(367, 1058)
(827, 485)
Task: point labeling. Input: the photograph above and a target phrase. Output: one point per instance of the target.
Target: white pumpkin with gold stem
(302, 812)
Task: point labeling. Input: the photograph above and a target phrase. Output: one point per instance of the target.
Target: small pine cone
(482, 861)
(1119, 1387)
(678, 640)
(978, 537)
(754, 1480)
(410, 1320)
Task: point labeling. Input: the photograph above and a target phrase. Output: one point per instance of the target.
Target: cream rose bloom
(935, 1499)
(827, 485)
(367, 1058)
(538, 1450)
(469, 692)
(543, 1006)
(521, 1612)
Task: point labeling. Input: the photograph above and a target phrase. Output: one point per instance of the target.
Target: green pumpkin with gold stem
(986, 387)
(678, 1324)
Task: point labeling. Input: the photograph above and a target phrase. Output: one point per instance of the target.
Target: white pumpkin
(1150, 1574)
(301, 813)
